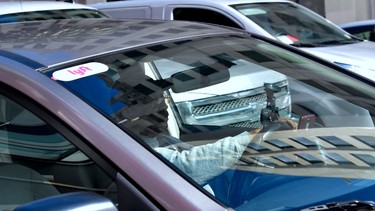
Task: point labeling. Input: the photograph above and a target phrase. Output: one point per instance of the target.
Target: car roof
(164, 2)
(8, 7)
(50, 42)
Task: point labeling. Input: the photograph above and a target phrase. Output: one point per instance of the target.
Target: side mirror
(70, 201)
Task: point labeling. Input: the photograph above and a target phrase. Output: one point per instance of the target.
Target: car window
(198, 104)
(51, 14)
(37, 161)
(293, 24)
(142, 12)
(203, 15)
(364, 32)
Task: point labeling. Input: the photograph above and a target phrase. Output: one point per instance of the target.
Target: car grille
(241, 109)
(228, 105)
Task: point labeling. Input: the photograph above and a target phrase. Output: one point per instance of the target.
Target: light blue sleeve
(204, 162)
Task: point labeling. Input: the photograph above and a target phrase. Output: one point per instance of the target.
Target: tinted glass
(366, 32)
(203, 15)
(199, 104)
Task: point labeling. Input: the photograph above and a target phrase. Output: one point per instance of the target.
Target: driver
(145, 115)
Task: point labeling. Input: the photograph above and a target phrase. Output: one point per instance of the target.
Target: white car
(16, 11)
(283, 20)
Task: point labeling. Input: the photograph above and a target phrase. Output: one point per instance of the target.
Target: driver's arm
(204, 162)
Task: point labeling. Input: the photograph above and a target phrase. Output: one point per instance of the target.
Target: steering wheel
(242, 186)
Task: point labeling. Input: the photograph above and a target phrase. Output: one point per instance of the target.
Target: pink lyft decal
(79, 71)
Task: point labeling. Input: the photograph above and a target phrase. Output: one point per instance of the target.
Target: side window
(36, 161)
(203, 15)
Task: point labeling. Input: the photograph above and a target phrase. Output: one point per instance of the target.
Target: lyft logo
(79, 71)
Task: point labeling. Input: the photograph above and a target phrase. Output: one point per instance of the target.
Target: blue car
(106, 114)
(363, 29)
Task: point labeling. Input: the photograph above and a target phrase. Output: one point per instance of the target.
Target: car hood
(357, 57)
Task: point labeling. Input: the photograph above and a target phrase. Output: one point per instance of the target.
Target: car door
(40, 156)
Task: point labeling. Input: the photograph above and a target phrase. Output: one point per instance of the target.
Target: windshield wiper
(348, 206)
(337, 42)
(303, 45)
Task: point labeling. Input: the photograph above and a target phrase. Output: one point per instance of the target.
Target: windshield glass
(200, 104)
(293, 24)
(51, 14)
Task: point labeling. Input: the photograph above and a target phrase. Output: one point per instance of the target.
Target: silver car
(283, 20)
(95, 114)
(16, 11)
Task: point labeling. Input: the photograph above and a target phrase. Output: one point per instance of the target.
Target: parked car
(188, 103)
(84, 105)
(282, 20)
(15, 11)
(363, 29)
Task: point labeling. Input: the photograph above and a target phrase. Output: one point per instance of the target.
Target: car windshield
(51, 14)
(198, 104)
(293, 24)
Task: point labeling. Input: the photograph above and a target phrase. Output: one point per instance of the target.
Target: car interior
(37, 161)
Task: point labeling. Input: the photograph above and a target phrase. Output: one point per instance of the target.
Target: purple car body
(73, 94)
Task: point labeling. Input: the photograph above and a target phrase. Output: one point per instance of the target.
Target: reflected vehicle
(282, 20)
(363, 29)
(16, 11)
(161, 115)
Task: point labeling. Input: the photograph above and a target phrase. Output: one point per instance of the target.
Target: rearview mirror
(197, 78)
